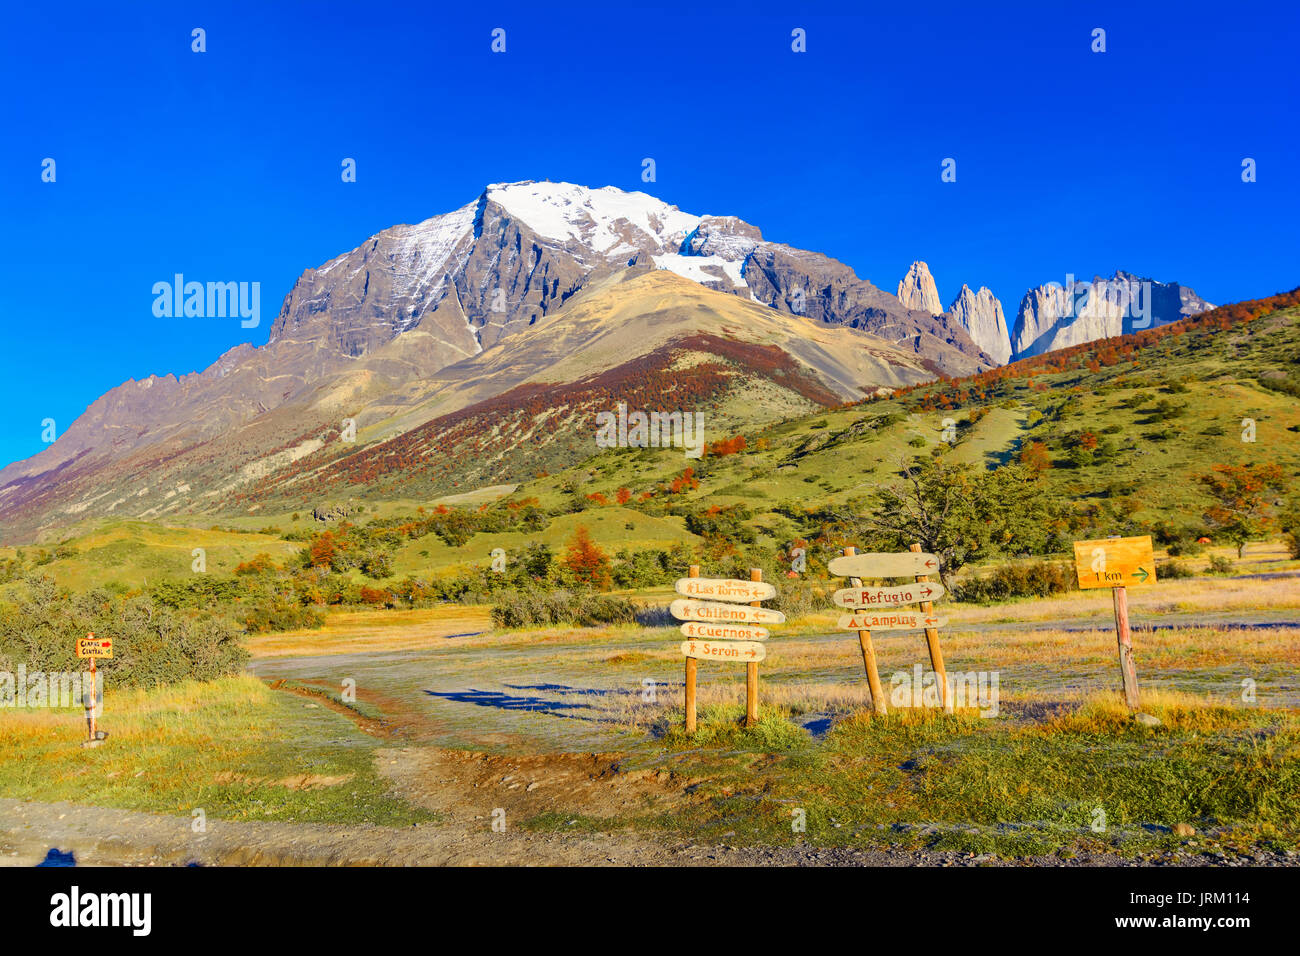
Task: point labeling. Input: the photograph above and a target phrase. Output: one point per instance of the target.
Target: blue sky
(225, 165)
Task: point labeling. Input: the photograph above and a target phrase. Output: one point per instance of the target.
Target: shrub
(1219, 565)
(1171, 570)
(1033, 579)
(542, 608)
(153, 644)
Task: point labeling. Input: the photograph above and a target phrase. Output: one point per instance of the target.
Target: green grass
(233, 748)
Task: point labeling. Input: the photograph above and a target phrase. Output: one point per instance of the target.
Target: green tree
(956, 512)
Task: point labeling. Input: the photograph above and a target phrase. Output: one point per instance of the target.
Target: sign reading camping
(890, 621)
(725, 589)
(1114, 562)
(687, 610)
(101, 647)
(888, 597)
(724, 632)
(904, 564)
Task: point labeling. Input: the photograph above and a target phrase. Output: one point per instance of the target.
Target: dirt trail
(104, 837)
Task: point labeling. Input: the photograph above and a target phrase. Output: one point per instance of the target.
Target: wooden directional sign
(94, 647)
(890, 621)
(724, 632)
(684, 609)
(908, 564)
(888, 597)
(1114, 562)
(725, 589)
(739, 652)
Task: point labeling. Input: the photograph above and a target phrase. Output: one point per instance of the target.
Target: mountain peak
(918, 291)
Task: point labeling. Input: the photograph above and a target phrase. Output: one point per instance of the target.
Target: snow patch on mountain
(599, 219)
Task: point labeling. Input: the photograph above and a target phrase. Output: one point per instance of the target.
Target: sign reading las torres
(718, 631)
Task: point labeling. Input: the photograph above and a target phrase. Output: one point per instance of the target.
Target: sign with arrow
(905, 564)
(684, 609)
(739, 652)
(888, 597)
(724, 632)
(891, 621)
(1114, 562)
(101, 647)
(725, 589)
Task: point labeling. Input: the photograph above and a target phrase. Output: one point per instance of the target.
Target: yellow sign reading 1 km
(1114, 562)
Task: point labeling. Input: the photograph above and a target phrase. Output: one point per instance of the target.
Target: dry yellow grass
(356, 632)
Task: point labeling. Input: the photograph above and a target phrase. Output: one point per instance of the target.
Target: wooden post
(936, 652)
(690, 676)
(1127, 669)
(94, 698)
(751, 668)
(869, 654)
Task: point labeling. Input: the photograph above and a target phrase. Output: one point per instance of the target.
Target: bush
(153, 644)
(1220, 565)
(541, 608)
(279, 615)
(1034, 579)
(1171, 570)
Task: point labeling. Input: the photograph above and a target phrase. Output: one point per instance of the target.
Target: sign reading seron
(887, 597)
(725, 589)
(749, 652)
(724, 632)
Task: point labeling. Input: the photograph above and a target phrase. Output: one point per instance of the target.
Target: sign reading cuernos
(906, 564)
(724, 632)
(725, 589)
(685, 609)
(887, 597)
(890, 621)
(740, 652)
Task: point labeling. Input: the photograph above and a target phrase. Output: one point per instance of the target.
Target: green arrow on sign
(1142, 574)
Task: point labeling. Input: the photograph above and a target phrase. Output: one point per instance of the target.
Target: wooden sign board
(725, 589)
(907, 564)
(685, 609)
(94, 647)
(1114, 562)
(890, 621)
(887, 597)
(738, 652)
(707, 631)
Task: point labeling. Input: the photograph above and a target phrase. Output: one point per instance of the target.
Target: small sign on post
(1118, 563)
(94, 648)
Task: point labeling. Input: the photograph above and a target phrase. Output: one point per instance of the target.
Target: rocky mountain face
(918, 291)
(1056, 316)
(980, 314)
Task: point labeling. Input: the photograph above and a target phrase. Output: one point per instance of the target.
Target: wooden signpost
(890, 621)
(864, 620)
(887, 597)
(687, 610)
(1118, 563)
(701, 630)
(94, 648)
(724, 632)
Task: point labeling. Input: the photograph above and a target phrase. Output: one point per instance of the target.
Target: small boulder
(1147, 720)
